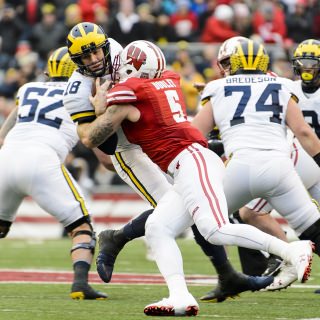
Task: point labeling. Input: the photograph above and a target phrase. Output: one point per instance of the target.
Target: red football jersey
(163, 130)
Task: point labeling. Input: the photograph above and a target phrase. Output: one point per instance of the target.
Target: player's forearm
(309, 141)
(8, 125)
(95, 133)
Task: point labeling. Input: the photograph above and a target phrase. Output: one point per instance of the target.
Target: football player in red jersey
(148, 105)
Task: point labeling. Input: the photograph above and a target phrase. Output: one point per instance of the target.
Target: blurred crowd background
(189, 31)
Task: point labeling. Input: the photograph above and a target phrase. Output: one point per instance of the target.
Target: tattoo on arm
(104, 127)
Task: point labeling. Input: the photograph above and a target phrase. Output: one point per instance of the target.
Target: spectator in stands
(184, 21)
(218, 27)
(242, 21)
(190, 76)
(49, 33)
(164, 32)
(10, 84)
(89, 8)
(300, 22)
(29, 11)
(11, 29)
(72, 15)
(122, 23)
(205, 15)
(145, 27)
(269, 22)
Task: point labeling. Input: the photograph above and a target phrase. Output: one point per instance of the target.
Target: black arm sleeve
(110, 145)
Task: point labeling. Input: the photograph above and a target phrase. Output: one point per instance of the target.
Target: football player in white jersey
(240, 86)
(92, 50)
(306, 64)
(31, 164)
(266, 223)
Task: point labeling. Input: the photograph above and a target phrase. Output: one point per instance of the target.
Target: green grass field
(25, 301)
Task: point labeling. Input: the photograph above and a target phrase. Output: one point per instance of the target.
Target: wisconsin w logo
(136, 57)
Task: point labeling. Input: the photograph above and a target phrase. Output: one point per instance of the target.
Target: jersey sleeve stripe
(76, 116)
(121, 98)
(128, 92)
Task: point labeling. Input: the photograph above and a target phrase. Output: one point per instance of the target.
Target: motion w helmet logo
(136, 57)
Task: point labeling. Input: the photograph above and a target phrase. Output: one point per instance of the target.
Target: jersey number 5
(271, 90)
(175, 106)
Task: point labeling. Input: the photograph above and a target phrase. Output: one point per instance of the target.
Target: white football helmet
(141, 59)
(225, 52)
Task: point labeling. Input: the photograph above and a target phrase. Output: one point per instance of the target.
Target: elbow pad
(110, 145)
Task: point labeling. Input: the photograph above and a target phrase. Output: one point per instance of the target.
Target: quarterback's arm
(8, 124)
(204, 120)
(301, 129)
(95, 133)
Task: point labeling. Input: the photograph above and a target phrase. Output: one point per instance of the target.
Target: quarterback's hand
(98, 100)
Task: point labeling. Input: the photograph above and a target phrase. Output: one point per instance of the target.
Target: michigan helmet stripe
(258, 57)
(242, 56)
(250, 54)
(59, 58)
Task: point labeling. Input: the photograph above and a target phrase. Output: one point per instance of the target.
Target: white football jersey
(76, 98)
(250, 111)
(43, 119)
(309, 103)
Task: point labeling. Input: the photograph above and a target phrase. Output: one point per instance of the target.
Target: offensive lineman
(306, 64)
(31, 164)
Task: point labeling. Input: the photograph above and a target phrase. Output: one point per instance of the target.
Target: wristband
(316, 158)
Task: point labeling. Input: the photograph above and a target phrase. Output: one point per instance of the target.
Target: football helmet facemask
(306, 63)
(225, 52)
(141, 59)
(249, 56)
(59, 65)
(85, 38)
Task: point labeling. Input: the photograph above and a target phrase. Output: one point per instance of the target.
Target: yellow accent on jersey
(204, 101)
(134, 179)
(74, 191)
(79, 115)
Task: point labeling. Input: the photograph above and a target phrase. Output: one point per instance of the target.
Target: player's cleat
(85, 292)
(166, 308)
(109, 249)
(231, 285)
(300, 256)
(286, 276)
(317, 291)
(273, 266)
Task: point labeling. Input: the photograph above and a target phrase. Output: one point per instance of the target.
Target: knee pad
(85, 245)
(79, 222)
(313, 234)
(4, 228)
